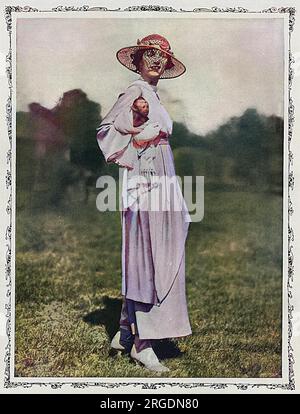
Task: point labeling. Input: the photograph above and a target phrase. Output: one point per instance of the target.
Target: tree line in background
(58, 156)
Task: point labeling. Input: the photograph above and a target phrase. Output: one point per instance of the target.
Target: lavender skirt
(153, 263)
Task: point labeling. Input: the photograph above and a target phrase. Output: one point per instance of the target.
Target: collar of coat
(146, 84)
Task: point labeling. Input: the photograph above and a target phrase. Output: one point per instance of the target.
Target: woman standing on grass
(135, 135)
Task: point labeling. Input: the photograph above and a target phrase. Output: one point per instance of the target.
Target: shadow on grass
(166, 349)
(108, 316)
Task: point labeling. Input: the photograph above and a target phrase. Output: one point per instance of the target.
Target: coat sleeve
(116, 130)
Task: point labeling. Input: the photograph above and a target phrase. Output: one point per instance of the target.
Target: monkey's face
(141, 106)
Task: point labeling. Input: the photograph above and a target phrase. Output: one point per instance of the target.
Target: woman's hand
(154, 141)
(150, 132)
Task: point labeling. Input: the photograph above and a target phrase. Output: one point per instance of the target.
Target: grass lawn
(68, 279)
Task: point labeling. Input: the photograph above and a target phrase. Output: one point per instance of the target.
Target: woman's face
(153, 63)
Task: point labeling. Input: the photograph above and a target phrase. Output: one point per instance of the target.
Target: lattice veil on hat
(174, 67)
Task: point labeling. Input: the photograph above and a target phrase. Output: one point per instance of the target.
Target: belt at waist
(162, 141)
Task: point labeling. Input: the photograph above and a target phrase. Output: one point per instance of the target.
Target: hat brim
(124, 57)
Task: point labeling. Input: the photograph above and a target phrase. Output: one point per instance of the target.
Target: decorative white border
(10, 383)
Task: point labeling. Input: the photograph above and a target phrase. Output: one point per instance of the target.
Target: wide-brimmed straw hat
(174, 67)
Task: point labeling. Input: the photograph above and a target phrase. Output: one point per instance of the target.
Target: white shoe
(122, 342)
(148, 358)
(115, 343)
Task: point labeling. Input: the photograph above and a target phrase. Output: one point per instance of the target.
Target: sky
(232, 64)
